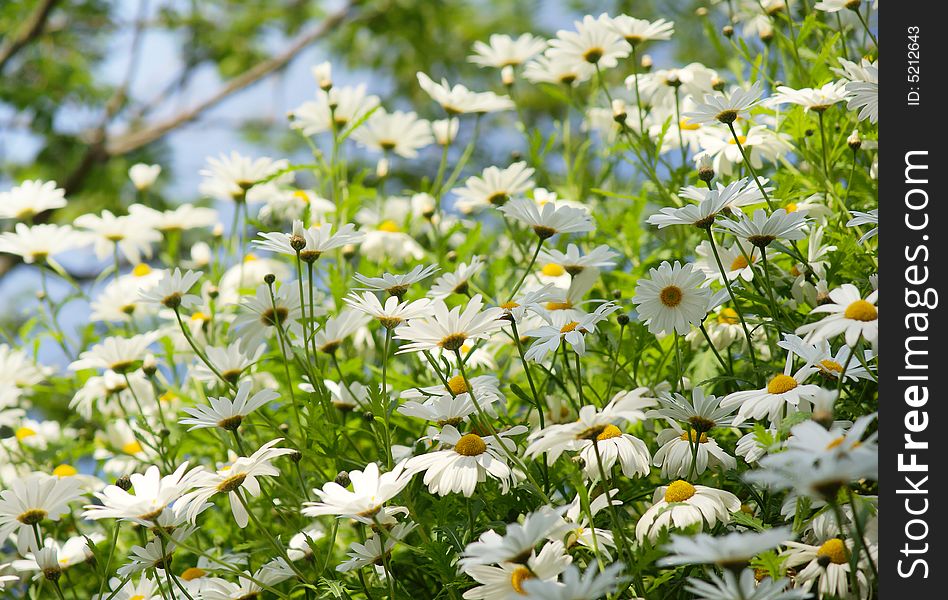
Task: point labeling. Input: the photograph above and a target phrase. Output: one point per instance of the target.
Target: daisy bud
(853, 5)
(149, 365)
(507, 75)
(164, 433)
(143, 176)
(673, 80)
(296, 456)
(445, 130)
(218, 230)
(381, 168)
(854, 141)
(701, 11)
(342, 479)
(123, 483)
(727, 30)
(646, 62)
(717, 84)
(40, 295)
(323, 75)
(213, 292)
(269, 278)
(348, 251)
(619, 112)
(368, 416)
(809, 132)
(424, 204)
(766, 34)
(616, 294)
(516, 156)
(705, 168)
(284, 427)
(622, 319)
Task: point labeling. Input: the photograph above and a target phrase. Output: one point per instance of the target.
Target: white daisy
(458, 99)
(30, 198)
(594, 41)
(504, 51)
(560, 328)
(150, 496)
(370, 491)
(230, 361)
(395, 284)
(457, 282)
(673, 299)
(39, 243)
(506, 582)
(763, 229)
(143, 176)
(747, 587)
(600, 257)
(226, 413)
(336, 329)
(400, 132)
(375, 549)
(233, 177)
(118, 354)
(260, 314)
(816, 99)
(680, 449)
(390, 314)
(179, 218)
(575, 585)
(548, 220)
(309, 243)
(637, 31)
(784, 394)
(680, 505)
(172, 290)
(130, 237)
(732, 550)
(827, 568)
(848, 313)
(557, 70)
(726, 108)
(449, 330)
(517, 543)
(31, 500)
(333, 109)
(494, 187)
(865, 218)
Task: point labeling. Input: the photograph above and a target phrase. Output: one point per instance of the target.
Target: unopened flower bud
(381, 168)
(854, 141)
(213, 292)
(296, 456)
(123, 483)
(701, 11)
(673, 80)
(619, 111)
(342, 479)
(507, 75)
(646, 62)
(348, 251)
(705, 168)
(727, 30)
(717, 84)
(269, 278)
(323, 75)
(766, 34)
(622, 319)
(150, 364)
(368, 416)
(218, 230)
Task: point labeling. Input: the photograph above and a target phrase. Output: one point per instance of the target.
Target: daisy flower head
(638, 31)
(392, 313)
(445, 130)
(505, 51)
(729, 586)
(146, 499)
(54, 557)
(737, 261)
(400, 132)
(371, 489)
(375, 549)
(684, 451)
(560, 70)
(226, 413)
(561, 328)
(237, 479)
(865, 218)
(548, 220)
(507, 580)
(336, 329)
(309, 243)
(180, 218)
(726, 108)
(458, 100)
(575, 584)
(118, 354)
(673, 299)
(127, 589)
(702, 413)
(785, 393)
(517, 543)
(700, 215)
(333, 109)
(820, 355)
(450, 329)
(171, 291)
(261, 313)
(816, 99)
(826, 568)
(395, 284)
(832, 6)
(143, 176)
(31, 500)
(457, 282)
(494, 187)
(731, 550)
(862, 87)
(680, 505)
(232, 177)
(30, 198)
(469, 460)
(600, 257)
(762, 229)
(37, 244)
(819, 478)
(131, 237)
(594, 41)
(230, 361)
(847, 313)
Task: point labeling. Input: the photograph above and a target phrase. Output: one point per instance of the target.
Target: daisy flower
(39, 243)
(456, 282)
(333, 109)
(395, 284)
(400, 132)
(309, 243)
(747, 587)
(506, 582)
(442, 410)
(596, 437)
(821, 356)
(681, 505)
(724, 108)
(336, 329)
(375, 549)
(516, 545)
(449, 330)
(594, 41)
(226, 413)
(445, 130)
(576, 585)
(681, 451)
(181, 218)
(832, 6)
(494, 187)
(784, 394)
(862, 87)
(131, 237)
(702, 414)
(31, 500)
(600, 257)
(865, 218)
(763, 229)
(235, 479)
(459, 100)
(637, 31)
(504, 51)
(557, 70)
(485, 389)
(343, 397)
(392, 313)
(232, 177)
(673, 300)
(820, 479)
(826, 568)
(561, 328)
(739, 193)
(118, 354)
(816, 99)
(469, 461)
(150, 496)
(143, 176)
(171, 291)
(157, 553)
(849, 314)
(126, 589)
(732, 550)
(54, 557)
(30, 198)
(251, 586)
(260, 314)
(734, 258)
(230, 361)
(548, 220)
(370, 491)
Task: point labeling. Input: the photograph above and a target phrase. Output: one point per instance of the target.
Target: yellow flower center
(453, 342)
(64, 471)
(199, 316)
(571, 326)
(250, 258)
(517, 578)
(232, 483)
(141, 269)
(860, 310)
(553, 270)
(609, 432)
(137, 597)
(301, 195)
(167, 396)
(389, 226)
(509, 305)
(132, 447)
(692, 436)
(671, 296)
(741, 138)
(679, 491)
(835, 550)
(193, 573)
(831, 366)
(739, 263)
(792, 207)
(781, 384)
(566, 304)
(728, 316)
(687, 125)
(593, 55)
(32, 516)
(24, 432)
(835, 443)
(457, 385)
(470, 444)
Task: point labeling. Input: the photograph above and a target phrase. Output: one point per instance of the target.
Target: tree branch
(136, 139)
(33, 27)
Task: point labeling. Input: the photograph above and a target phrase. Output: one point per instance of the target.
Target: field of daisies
(630, 354)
